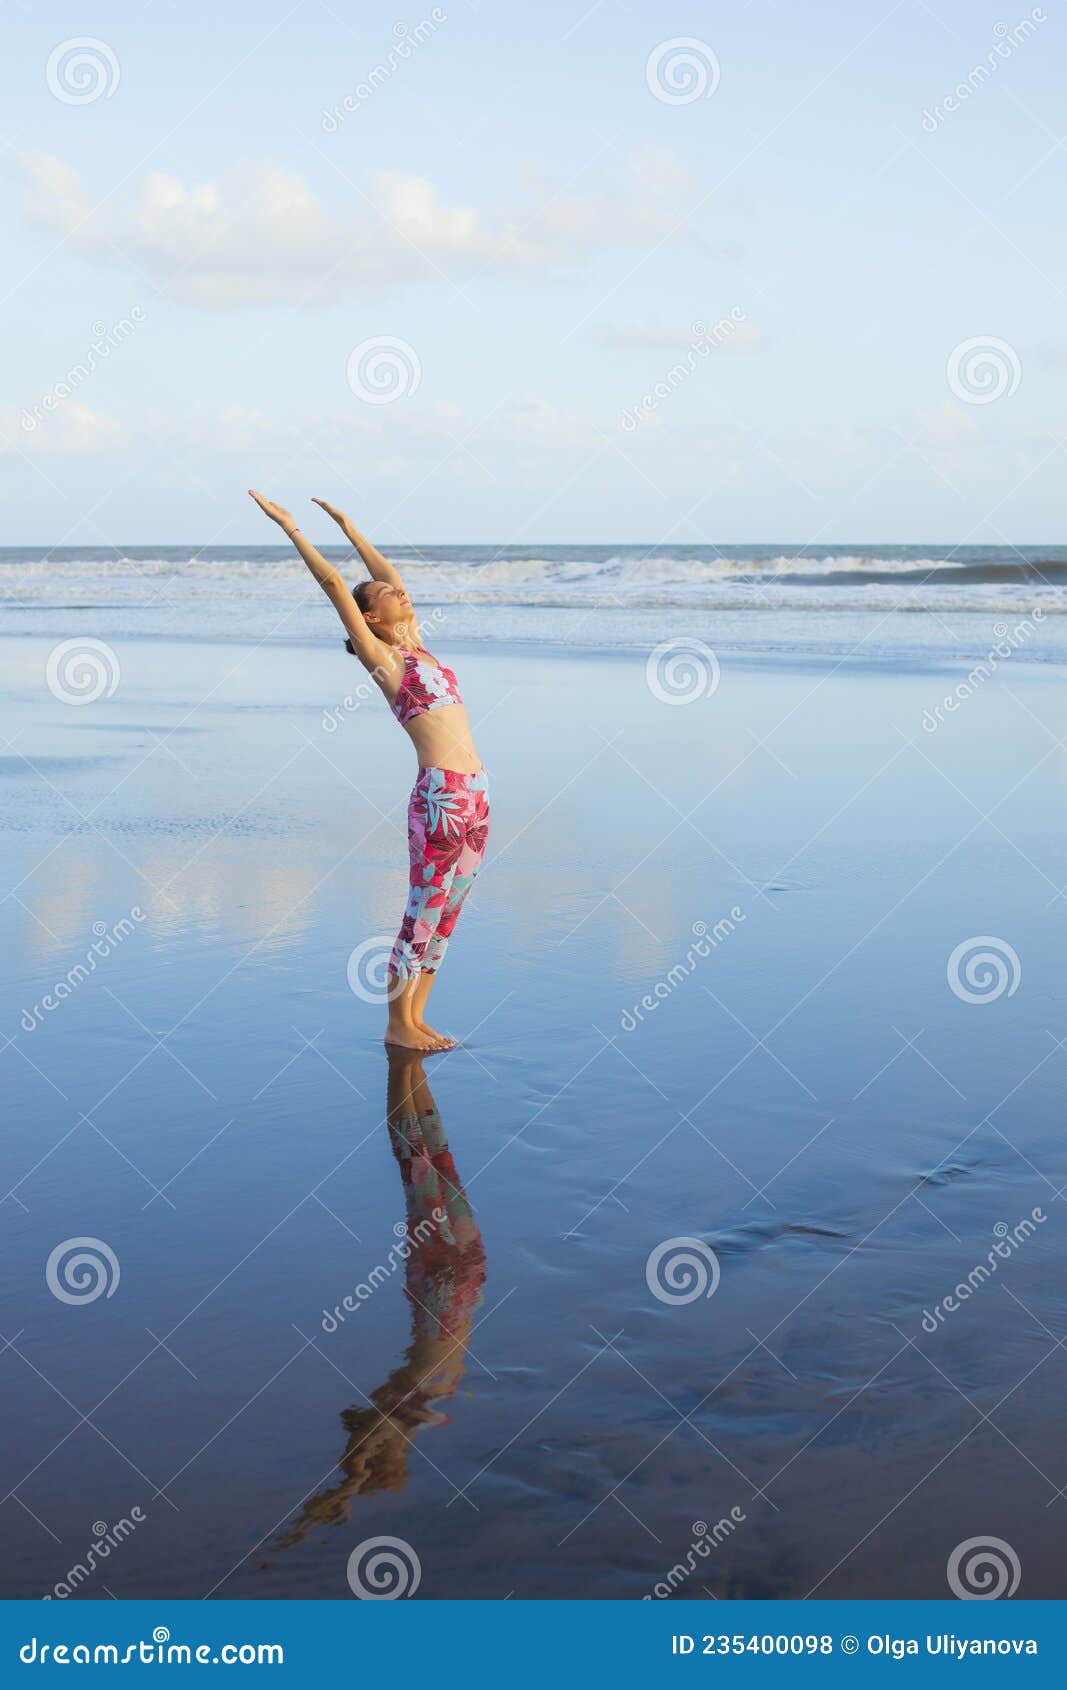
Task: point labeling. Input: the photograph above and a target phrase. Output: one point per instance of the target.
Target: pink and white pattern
(426, 686)
(448, 826)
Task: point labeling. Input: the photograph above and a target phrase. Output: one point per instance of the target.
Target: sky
(438, 265)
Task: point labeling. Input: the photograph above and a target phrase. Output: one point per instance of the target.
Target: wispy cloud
(259, 234)
(71, 428)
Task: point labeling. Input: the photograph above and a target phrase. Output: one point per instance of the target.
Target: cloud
(659, 170)
(63, 430)
(946, 424)
(55, 194)
(259, 234)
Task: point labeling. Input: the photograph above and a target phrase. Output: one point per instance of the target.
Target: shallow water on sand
(810, 1101)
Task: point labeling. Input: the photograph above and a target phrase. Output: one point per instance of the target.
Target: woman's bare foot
(408, 1036)
(441, 1040)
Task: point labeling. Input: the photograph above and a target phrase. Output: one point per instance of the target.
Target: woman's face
(389, 605)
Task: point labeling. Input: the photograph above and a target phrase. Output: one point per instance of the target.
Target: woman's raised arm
(378, 567)
(366, 645)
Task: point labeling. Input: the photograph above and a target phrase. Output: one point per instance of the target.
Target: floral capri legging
(448, 825)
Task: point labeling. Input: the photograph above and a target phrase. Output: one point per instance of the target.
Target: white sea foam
(627, 596)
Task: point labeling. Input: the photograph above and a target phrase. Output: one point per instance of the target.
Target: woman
(448, 814)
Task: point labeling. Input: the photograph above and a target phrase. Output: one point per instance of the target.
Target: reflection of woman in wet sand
(444, 1277)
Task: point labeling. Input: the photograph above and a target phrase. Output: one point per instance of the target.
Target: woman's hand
(379, 567)
(365, 645)
(338, 515)
(277, 513)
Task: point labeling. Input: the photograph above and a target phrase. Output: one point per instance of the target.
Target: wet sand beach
(713, 986)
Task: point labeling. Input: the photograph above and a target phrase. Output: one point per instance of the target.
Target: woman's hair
(363, 595)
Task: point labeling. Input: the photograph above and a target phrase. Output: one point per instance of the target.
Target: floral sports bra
(426, 686)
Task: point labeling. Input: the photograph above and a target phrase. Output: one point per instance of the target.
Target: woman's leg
(429, 881)
(468, 862)
(447, 834)
(418, 1010)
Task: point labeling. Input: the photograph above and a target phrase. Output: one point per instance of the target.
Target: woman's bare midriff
(443, 740)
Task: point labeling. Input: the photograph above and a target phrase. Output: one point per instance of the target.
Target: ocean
(875, 601)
